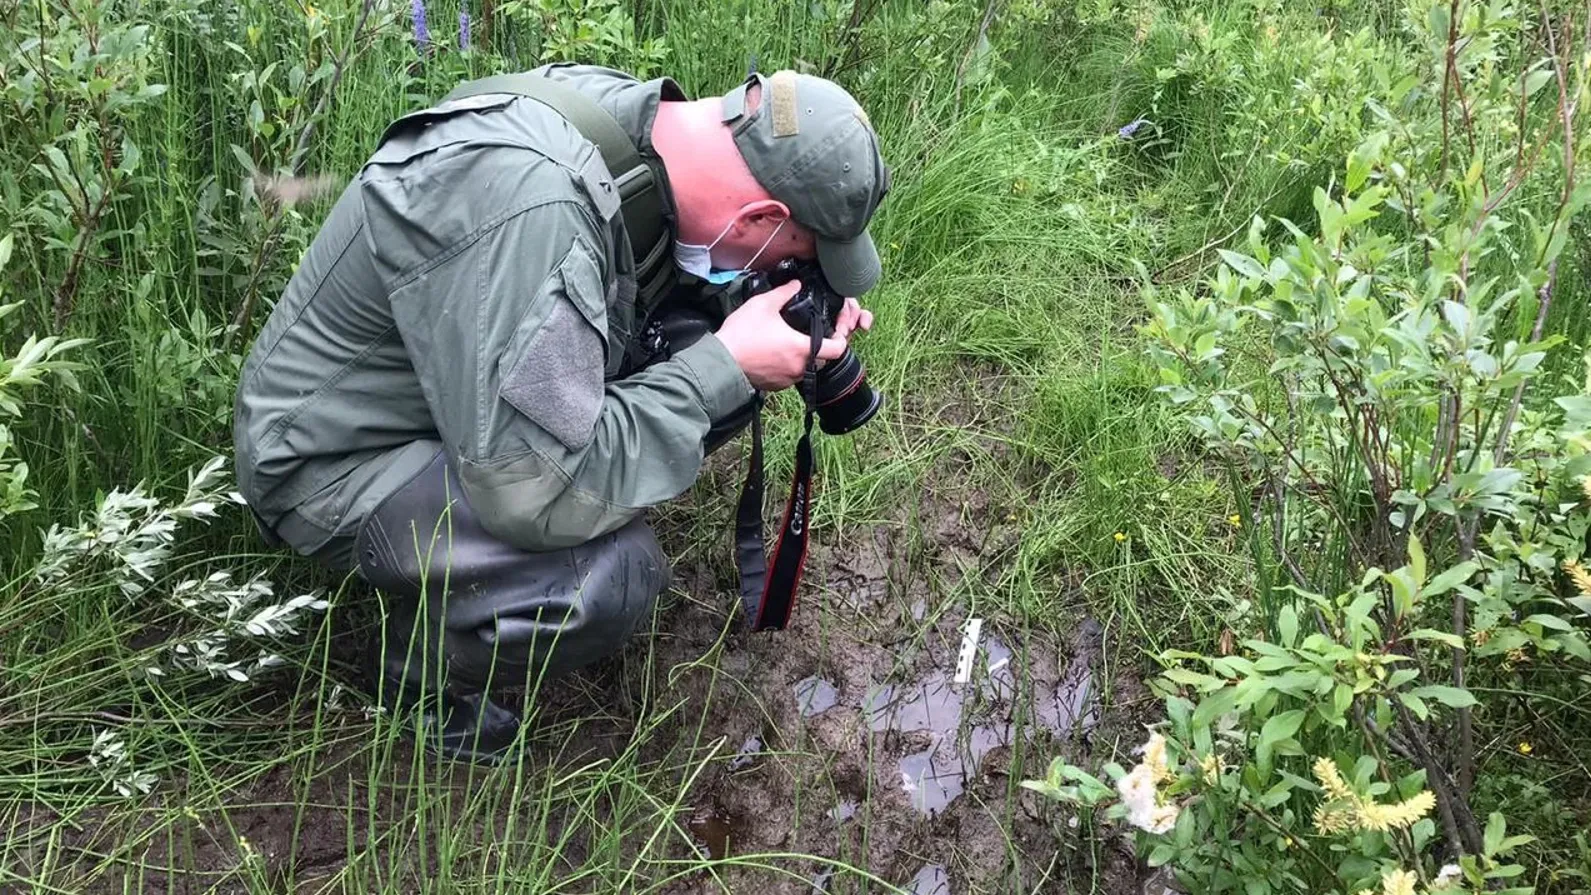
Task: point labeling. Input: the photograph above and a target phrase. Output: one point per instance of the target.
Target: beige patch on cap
(783, 103)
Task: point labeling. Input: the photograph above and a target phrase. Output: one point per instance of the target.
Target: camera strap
(768, 593)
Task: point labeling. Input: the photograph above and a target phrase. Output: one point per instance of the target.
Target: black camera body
(842, 398)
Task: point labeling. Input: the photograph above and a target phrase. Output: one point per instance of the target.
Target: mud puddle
(964, 722)
(877, 751)
(885, 756)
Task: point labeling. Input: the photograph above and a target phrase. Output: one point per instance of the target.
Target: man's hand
(852, 318)
(771, 352)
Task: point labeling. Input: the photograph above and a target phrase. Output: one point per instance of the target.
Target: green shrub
(1416, 492)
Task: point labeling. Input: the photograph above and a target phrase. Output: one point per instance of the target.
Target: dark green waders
(472, 613)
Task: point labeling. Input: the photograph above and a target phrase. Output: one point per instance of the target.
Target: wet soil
(873, 753)
(853, 752)
(881, 752)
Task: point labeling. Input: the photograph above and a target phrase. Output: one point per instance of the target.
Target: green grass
(1022, 435)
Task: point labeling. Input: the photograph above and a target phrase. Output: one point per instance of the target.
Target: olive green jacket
(473, 290)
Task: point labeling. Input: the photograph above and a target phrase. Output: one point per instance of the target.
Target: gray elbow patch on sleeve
(557, 381)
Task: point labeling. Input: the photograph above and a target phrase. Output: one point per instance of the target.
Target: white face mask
(698, 259)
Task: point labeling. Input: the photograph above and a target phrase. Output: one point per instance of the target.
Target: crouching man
(520, 327)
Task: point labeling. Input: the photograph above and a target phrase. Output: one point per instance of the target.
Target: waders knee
(475, 613)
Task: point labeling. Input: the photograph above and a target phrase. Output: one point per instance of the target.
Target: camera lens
(845, 401)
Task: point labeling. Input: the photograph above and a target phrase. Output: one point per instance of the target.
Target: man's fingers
(778, 295)
(850, 312)
(852, 318)
(831, 349)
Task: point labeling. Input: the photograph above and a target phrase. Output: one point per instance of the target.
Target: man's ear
(762, 215)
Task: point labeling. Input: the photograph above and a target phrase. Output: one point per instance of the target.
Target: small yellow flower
(1399, 882)
(1374, 816)
(1155, 758)
(1331, 779)
(1585, 486)
(1578, 574)
(1344, 809)
(1120, 536)
(1212, 765)
(1235, 520)
(1333, 820)
(1525, 748)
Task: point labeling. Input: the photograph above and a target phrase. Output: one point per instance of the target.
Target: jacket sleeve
(507, 329)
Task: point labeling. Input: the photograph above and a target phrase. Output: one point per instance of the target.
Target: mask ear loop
(719, 238)
(766, 243)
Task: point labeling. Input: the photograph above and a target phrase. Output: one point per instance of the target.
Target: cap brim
(852, 266)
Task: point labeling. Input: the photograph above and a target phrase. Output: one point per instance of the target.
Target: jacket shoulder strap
(641, 202)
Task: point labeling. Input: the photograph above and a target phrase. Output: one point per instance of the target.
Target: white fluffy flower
(1449, 875)
(1138, 796)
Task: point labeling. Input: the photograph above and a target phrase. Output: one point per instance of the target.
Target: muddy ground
(904, 771)
(845, 737)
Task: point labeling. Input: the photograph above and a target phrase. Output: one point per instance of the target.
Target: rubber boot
(476, 613)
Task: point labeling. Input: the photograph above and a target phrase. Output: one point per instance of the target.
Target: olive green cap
(812, 147)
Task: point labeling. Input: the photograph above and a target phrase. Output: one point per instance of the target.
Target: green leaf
(1266, 648)
(1204, 682)
(1451, 578)
(1512, 842)
(1358, 171)
(1576, 409)
(1440, 21)
(1287, 624)
(1280, 727)
(1550, 621)
(1280, 791)
(1232, 666)
(1535, 80)
(1417, 559)
(1457, 317)
(1341, 700)
(5, 250)
(1454, 697)
(1403, 589)
(1362, 208)
(130, 156)
(1415, 704)
(1496, 828)
(242, 157)
(1214, 706)
(58, 160)
(1575, 645)
(1277, 729)
(1243, 264)
(1446, 637)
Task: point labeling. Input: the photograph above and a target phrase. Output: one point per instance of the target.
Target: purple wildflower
(1126, 131)
(422, 34)
(464, 29)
